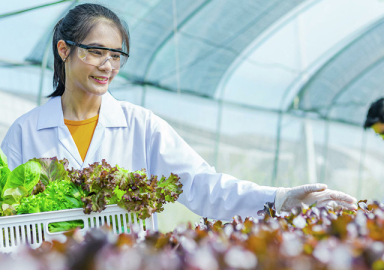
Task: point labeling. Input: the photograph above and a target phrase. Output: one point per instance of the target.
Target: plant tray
(32, 229)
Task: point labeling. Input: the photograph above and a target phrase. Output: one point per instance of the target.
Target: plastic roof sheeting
(22, 33)
(209, 37)
(272, 72)
(270, 55)
(340, 89)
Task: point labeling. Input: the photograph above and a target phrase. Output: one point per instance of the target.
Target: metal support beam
(362, 161)
(325, 152)
(218, 131)
(171, 34)
(43, 68)
(277, 149)
(310, 152)
(30, 9)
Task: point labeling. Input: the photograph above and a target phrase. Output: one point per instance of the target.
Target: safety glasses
(98, 56)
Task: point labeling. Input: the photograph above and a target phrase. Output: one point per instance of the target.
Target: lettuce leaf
(26, 175)
(4, 171)
(65, 226)
(171, 187)
(98, 183)
(12, 197)
(103, 184)
(52, 169)
(3, 160)
(57, 196)
(146, 196)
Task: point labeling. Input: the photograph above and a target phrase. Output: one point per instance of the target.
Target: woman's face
(81, 76)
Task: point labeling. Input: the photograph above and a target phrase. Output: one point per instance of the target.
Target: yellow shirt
(82, 133)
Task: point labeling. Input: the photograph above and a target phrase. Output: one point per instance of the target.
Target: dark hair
(75, 26)
(375, 113)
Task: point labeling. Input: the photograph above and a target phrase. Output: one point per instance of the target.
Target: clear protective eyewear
(98, 56)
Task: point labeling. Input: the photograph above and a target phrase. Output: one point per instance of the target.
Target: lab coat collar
(111, 113)
(51, 114)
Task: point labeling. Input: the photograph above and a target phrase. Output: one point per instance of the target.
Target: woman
(83, 123)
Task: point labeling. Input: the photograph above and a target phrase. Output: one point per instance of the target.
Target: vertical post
(361, 167)
(277, 151)
(325, 152)
(43, 68)
(177, 58)
(176, 39)
(310, 152)
(218, 131)
(143, 95)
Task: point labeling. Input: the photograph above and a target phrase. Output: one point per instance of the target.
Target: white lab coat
(134, 138)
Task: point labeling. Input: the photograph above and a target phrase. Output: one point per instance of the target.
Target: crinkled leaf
(171, 183)
(134, 191)
(95, 178)
(94, 203)
(98, 182)
(38, 188)
(56, 196)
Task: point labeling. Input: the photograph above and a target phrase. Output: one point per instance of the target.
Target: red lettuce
(104, 184)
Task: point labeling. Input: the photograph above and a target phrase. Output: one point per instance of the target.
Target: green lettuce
(12, 197)
(57, 196)
(65, 226)
(52, 169)
(4, 171)
(3, 160)
(27, 179)
(25, 175)
(45, 184)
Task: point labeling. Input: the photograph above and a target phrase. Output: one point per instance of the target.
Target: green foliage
(26, 175)
(65, 226)
(104, 184)
(29, 179)
(45, 184)
(58, 195)
(3, 160)
(4, 171)
(52, 169)
(12, 197)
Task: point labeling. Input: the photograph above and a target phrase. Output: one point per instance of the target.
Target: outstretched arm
(221, 196)
(205, 192)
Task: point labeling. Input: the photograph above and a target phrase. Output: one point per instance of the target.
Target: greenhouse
(273, 92)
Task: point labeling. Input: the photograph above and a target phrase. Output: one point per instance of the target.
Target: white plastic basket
(33, 229)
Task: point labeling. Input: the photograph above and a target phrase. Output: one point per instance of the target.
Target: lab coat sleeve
(11, 146)
(205, 192)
